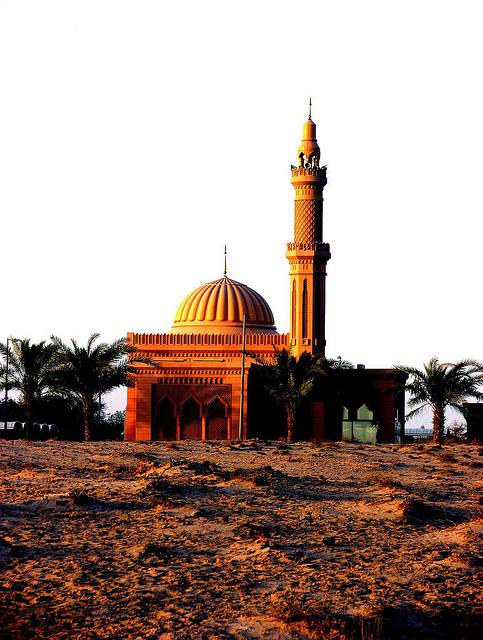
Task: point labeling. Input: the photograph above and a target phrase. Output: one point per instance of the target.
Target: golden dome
(219, 306)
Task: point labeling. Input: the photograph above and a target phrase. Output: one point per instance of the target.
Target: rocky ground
(253, 540)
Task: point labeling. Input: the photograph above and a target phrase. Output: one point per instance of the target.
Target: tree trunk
(27, 405)
(87, 414)
(290, 424)
(438, 425)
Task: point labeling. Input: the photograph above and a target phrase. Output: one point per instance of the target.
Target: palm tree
(289, 380)
(441, 385)
(338, 363)
(29, 370)
(86, 372)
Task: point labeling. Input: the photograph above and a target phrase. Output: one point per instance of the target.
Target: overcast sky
(136, 138)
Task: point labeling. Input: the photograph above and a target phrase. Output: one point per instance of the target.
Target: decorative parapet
(322, 247)
(206, 339)
(315, 171)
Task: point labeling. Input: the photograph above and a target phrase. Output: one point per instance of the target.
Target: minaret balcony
(300, 175)
(320, 249)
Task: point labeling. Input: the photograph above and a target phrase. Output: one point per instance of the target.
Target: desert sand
(114, 540)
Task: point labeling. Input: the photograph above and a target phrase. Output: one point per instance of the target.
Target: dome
(309, 150)
(219, 306)
(309, 132)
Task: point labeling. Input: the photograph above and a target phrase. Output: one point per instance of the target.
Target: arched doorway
(165, 421)
(216, 424)
(191, 420)
(365, 429)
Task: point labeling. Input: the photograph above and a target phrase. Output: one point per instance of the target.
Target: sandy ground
(259, 540)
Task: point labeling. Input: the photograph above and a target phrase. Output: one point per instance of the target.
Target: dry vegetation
(254, 540)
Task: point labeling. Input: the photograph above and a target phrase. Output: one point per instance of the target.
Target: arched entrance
(165, 421)
(216, 424)
(191, 420)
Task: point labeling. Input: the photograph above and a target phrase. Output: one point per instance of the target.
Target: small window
(364, 413)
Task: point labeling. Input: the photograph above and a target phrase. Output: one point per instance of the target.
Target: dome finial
(224, 271)
(310, 108)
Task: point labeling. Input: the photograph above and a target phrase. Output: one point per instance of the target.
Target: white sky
(136, 138)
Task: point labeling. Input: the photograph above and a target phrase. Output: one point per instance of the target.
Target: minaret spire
(308, 254)
(224, 271)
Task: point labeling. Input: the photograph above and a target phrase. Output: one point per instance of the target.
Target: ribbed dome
(219, 306)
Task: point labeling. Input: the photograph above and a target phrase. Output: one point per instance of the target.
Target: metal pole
(6, 389)
(242, 391)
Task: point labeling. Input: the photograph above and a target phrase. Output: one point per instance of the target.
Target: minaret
(308, 254)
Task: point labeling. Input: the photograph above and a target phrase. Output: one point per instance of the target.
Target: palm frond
(458, 408)
(416, 411)
(92, 338)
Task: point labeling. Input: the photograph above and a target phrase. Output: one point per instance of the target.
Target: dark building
(474, 420)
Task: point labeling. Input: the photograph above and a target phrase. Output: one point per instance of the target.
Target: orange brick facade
(193, 369)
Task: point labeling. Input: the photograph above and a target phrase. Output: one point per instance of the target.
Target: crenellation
(199, 339)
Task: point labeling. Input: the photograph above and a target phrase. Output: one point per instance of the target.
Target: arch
(294, 309)
(364, 413)
(191, 400)
(305, 311)
(301, 159)
(216, 423)
(191, 419)
(220, 401)
(347, 424)
(165, 420)
(318, 310)
(365, 429)
(358, 424)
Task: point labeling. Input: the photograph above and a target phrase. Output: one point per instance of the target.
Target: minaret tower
(308, 254)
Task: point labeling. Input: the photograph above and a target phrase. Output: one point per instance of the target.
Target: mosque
(203, 388)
